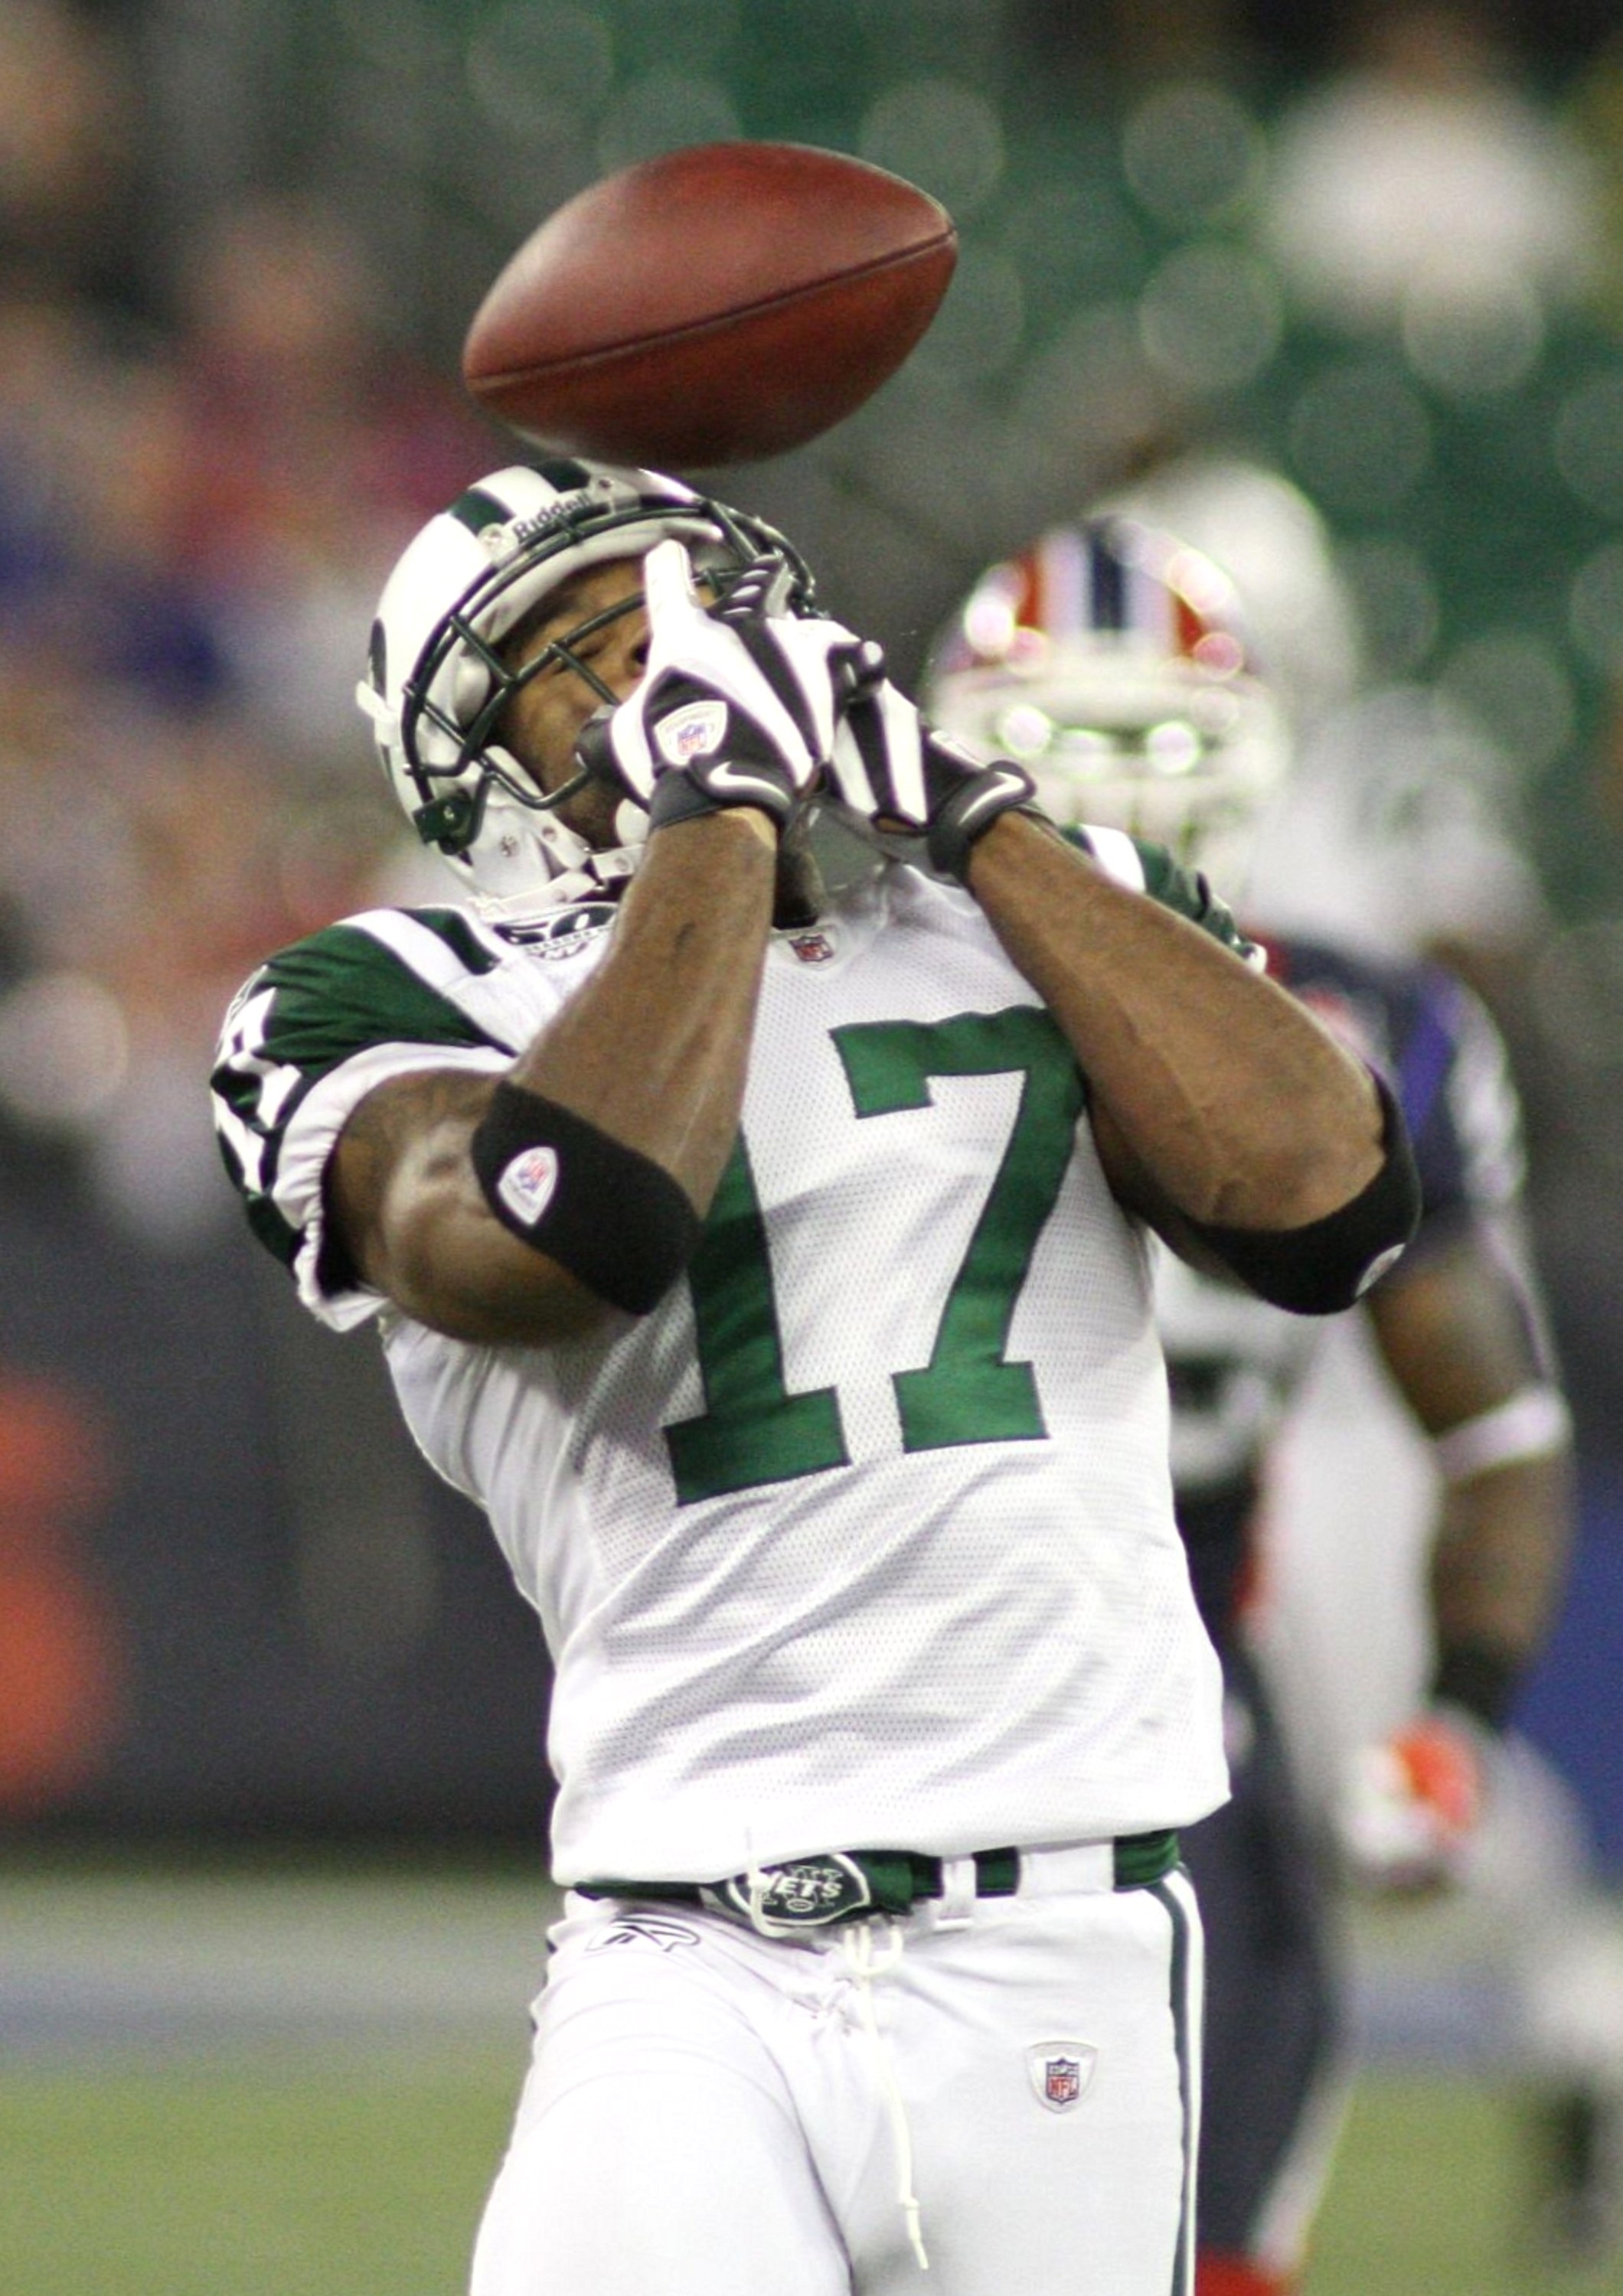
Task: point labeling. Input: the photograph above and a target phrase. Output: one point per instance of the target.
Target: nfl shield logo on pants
(1060, 2071)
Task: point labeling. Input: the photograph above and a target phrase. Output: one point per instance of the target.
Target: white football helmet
(1110, 661)
(1301, 613)
(437, 685)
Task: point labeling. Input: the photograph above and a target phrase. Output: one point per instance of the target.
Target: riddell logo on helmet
(694, 731)
(567, 508)
(506, 536)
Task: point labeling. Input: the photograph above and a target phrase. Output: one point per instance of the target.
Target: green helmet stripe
(476, 509)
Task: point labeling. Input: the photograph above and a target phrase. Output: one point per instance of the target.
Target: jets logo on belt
(804, 1893)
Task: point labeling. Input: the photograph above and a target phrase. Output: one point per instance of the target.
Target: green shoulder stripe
(278, 1236)
(389, 977)
(347, 988)
(1184, 890)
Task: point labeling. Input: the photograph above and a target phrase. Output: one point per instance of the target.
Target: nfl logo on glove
(694, 732)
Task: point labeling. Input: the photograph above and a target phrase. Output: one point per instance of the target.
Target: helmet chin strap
(553, 865)
(576, 871)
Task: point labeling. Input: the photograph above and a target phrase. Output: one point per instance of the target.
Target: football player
(771, 1266)
(1111, 660)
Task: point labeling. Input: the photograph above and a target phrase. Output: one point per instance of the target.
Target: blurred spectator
(93, 455)
(190, 540)
(1423, 186)
(60, 1661)
(192, 533)
(315, 449)
(69, 132)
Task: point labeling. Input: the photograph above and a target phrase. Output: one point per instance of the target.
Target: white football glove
(898, 774)
(1409, 1807)
(738, 705)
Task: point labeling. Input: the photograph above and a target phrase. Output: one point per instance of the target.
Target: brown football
(720, 304)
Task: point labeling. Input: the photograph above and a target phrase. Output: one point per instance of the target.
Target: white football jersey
(864, 1537)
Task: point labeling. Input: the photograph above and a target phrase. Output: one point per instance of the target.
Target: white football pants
(1008, 2088)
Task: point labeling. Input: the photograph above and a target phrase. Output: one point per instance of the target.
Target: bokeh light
(1588, 442)
(1191, 152)
(1359, 436)
(1515, 684)
(660, 112)
(941, 134)
(539, 73)
(1397, 597)
(1211, 317)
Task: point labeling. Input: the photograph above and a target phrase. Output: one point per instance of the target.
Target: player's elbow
(616, 1221)
(448, 1262)
(1329, 1264)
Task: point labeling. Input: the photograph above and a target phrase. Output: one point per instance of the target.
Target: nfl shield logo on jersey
(812, 948)
(1060, 2071)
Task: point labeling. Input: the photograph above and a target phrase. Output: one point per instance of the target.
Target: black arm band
(1325, 1267)
(615, 1218)
(1479, 1677)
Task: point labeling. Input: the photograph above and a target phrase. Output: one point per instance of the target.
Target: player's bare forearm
(653, 1052)
(654, 1049)
(1454, 1332)
(1499, 1559)
(1239, 1106)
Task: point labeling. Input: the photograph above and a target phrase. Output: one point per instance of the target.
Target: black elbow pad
(1328, 1265)
(615, 1218)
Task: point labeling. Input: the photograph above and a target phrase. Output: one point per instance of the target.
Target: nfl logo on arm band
(529, 1183)
(545, 1174)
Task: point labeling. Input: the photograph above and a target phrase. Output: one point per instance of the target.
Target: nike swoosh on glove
(736, 706)
(896, 773)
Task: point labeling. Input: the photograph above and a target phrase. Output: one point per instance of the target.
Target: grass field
(257, 2179)
(1428, 2200)
(294, 2179)
(298, 2083)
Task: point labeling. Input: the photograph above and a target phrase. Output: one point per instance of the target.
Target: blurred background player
(1112, 660)
(1401, 830)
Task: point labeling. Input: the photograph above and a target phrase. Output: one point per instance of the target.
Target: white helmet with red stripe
(1110, 661)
